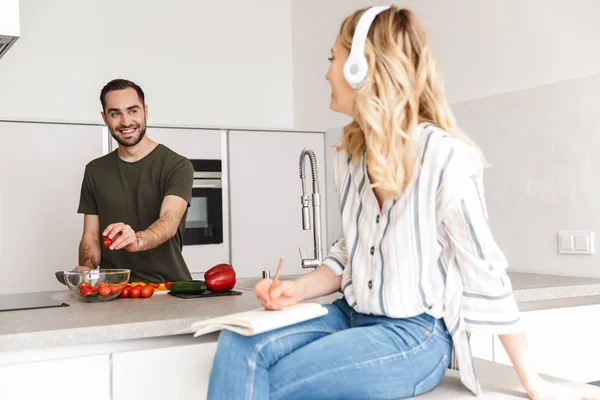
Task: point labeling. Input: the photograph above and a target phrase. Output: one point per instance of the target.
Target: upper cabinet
(190, 143)
(266, 212)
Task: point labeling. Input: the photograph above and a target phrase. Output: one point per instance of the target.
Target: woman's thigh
(382, 361)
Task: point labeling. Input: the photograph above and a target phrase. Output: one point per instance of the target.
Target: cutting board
(205, 294)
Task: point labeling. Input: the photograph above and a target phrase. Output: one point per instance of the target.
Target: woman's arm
(320, 282)
(516, 347)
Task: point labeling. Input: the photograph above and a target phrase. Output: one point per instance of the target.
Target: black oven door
(204, 221)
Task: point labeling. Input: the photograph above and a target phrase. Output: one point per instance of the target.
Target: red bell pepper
(220, 278)
(217, 268)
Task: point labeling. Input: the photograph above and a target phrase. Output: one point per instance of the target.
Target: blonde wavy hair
(402, 89)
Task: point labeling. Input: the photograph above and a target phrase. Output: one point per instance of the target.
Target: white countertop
(165, 315)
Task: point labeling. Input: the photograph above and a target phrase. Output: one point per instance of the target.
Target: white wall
(544, 144)
(524, 82)
(209, 63)
(484, 48)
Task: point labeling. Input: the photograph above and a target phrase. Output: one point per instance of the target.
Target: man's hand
(123, 237)
(83, 268)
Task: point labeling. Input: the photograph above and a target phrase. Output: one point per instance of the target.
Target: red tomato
(136, 292)
(125, 293)
(107, 241)
(94, 289)
(147, 291)
(104, 291)
(86, 291)
(83, 285)
(115, 289)
(155, 285)
(168, 285)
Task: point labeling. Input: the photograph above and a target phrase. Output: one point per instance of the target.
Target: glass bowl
(97, 284)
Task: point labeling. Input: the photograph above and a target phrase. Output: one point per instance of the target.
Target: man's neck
(137, 152)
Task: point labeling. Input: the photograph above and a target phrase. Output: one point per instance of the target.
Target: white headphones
(355, 68)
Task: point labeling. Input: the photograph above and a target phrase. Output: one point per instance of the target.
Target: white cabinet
(179, 372)
(41, 168)
(67, 379)
(266, 213)
(564, 342)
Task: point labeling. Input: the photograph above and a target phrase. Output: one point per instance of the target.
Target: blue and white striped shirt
(429, 251)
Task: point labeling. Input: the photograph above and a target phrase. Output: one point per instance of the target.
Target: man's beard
(132, 141)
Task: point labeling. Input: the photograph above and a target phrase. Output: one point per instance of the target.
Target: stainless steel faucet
(316, 213)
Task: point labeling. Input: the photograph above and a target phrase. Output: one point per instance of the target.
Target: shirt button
(370, 284)
(372, 250)
(377, 219)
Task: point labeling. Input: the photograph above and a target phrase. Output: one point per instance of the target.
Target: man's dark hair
(120, 84)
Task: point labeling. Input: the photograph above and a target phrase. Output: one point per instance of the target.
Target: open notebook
(257, 321)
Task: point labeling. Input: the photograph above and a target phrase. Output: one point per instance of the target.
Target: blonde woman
(416, 262)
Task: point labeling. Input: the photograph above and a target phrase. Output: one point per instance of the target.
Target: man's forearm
(89, 252)
(157, 233)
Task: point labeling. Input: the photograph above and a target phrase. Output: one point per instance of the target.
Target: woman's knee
(229, 340)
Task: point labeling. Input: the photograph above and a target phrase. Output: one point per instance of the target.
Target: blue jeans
(342, 355)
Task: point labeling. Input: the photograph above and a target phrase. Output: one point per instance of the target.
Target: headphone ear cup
(355, 71)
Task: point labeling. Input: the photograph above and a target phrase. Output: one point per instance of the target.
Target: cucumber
(188, 287)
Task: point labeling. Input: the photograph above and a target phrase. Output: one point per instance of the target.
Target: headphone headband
(355, 68)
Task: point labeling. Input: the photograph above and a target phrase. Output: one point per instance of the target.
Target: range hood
(10, 27)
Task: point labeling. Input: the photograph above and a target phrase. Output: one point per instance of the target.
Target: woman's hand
(282, 294)
(544, 390)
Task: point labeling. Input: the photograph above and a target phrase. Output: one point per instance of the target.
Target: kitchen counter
(497, 382)
(124, 332)
(165, 315)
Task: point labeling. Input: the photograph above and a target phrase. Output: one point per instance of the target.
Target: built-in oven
(204, 221)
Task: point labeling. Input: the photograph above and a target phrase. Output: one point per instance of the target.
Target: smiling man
(137, 196)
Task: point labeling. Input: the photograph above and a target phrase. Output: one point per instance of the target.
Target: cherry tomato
(104, 291)
(155, 285)
(94, 289)
(107, 242)
(83, 285)
(147, 291)
(125, 293)
(86, 291)
(115, 289)
(135, 292)
(102, 284)
(168, 285)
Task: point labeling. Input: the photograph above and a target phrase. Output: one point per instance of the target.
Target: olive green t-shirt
(132, 193)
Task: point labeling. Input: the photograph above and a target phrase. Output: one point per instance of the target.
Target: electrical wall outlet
(576, 242)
